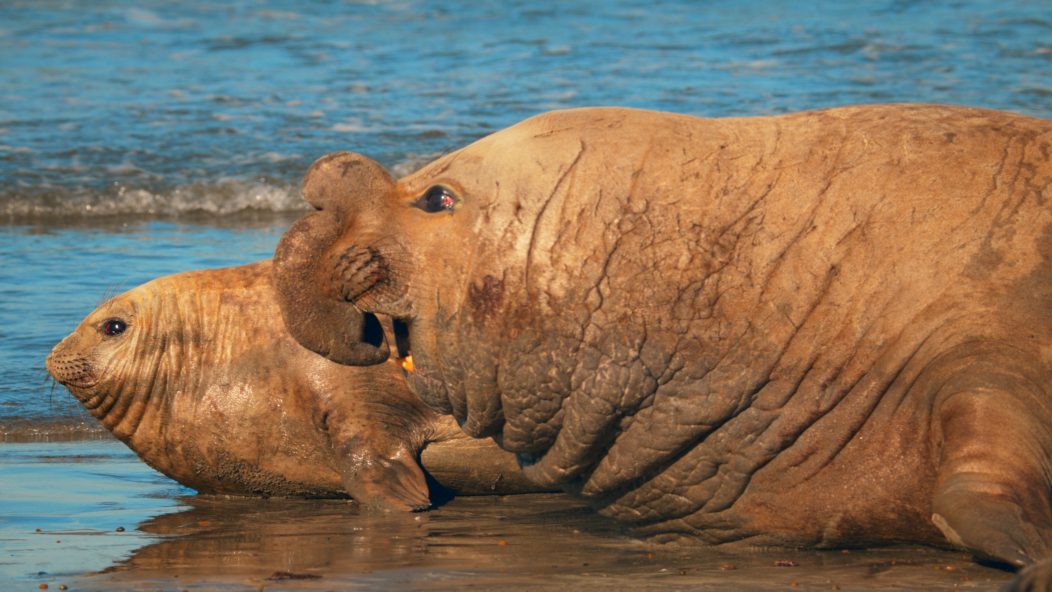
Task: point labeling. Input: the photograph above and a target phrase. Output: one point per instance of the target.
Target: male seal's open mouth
(402, 342)
(372, 330)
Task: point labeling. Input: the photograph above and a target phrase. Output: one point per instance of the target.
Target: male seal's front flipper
(992, 492)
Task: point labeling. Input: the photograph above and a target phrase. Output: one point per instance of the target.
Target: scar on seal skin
(196, 373)
(830, 328)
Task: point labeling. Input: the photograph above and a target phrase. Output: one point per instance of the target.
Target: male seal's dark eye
(437, 199)
(114, 327)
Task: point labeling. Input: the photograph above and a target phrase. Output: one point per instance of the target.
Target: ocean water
(121, 106)
(144, 138)
(141, 138)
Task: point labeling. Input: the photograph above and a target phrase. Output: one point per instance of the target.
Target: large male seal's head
(459, 247)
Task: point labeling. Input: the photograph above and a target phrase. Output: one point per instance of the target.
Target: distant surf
(223, 197)
(56, 429)
(220, 198)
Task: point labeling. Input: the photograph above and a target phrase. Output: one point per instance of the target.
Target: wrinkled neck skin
(141, 378)
(660, 326)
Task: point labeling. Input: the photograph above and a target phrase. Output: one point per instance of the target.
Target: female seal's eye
(437, 199)
(114, 327)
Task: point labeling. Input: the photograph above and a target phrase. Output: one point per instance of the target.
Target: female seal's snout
(69, 367)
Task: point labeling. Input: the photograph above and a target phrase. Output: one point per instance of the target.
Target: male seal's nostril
(341, 180)
(359, 270)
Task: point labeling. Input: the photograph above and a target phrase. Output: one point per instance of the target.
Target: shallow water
(144, 138)
(79, 494)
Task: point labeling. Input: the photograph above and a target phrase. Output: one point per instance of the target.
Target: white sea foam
(224, 197)
(219, 198)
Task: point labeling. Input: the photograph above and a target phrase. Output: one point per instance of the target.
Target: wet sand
(80, 493)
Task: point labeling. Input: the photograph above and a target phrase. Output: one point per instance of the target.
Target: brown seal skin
(830, 328)
(196, 373)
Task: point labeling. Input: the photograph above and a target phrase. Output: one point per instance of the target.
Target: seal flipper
(992, 492)
(390, 481)
(377, 434)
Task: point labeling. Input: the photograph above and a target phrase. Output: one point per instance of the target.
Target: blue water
(56, 517)
(140, 138)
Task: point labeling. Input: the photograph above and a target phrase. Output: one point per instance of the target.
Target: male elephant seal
(828, 328)
(196, 373)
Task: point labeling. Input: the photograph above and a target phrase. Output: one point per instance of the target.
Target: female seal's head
(89, 361)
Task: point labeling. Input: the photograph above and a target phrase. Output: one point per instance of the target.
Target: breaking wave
(59, 429)
(220, 198)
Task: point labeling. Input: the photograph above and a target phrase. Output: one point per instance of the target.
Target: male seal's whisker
(51, 391)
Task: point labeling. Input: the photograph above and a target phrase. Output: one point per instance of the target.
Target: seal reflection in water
(196, 373)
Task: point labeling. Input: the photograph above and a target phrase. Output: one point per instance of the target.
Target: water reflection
(516, 542)
(137, 530)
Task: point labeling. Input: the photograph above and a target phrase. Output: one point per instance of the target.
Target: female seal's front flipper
(382, 477)
(376, 439)
(992, 492)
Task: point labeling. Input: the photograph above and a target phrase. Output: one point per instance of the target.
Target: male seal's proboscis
(830, 328)
(196, 373)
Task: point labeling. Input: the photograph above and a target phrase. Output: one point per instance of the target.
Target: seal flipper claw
(377, 443)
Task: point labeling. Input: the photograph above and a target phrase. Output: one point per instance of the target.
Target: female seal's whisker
(51, 393)
(109, 293)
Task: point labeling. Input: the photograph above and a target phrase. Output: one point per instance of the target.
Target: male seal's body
(827, 328)
(196, 373)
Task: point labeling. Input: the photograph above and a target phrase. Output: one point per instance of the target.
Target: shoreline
(51, 429)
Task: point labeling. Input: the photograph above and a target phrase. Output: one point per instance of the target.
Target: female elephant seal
(828, 328)
(196, 373)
